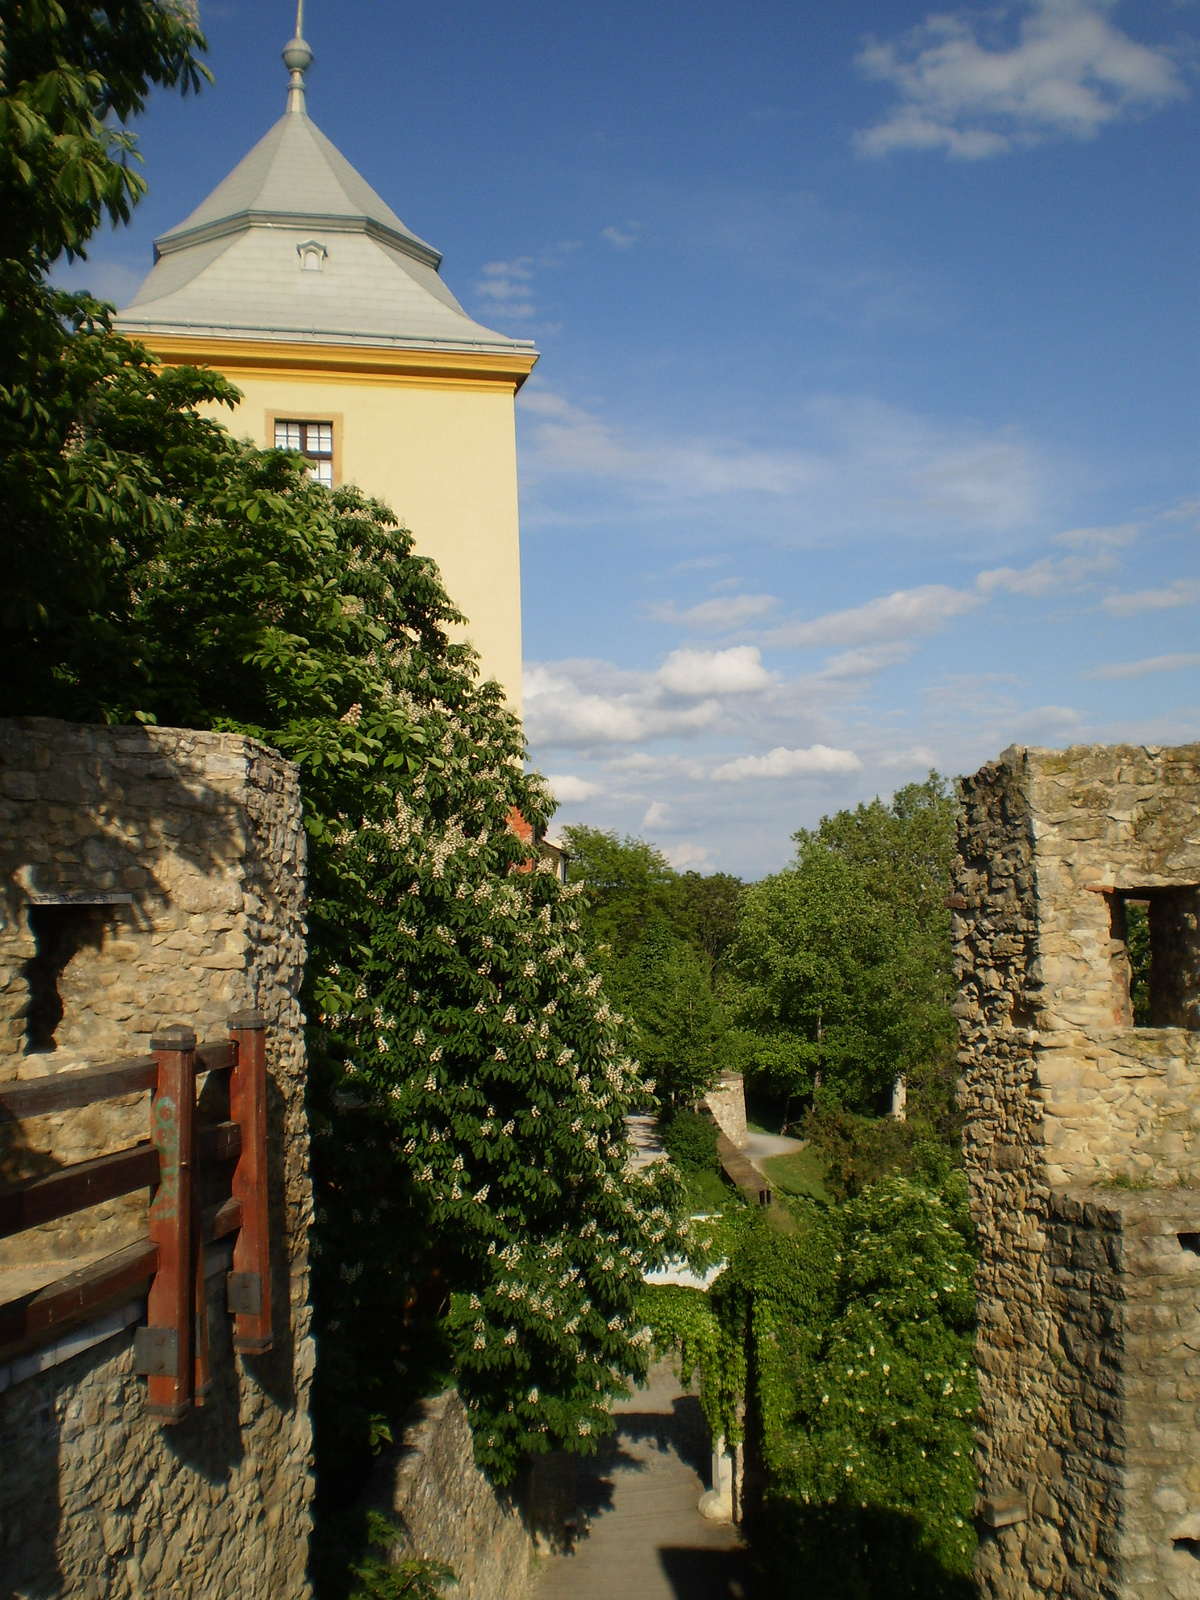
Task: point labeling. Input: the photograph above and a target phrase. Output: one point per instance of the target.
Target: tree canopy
(663, 937)
(844, 957)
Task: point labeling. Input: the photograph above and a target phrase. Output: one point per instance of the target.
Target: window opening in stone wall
(312, 440)
(1156, 955)
(59, 933)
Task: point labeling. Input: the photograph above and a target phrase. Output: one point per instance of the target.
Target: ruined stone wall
(448, 1509)
(150, 876)
(1065, 1097)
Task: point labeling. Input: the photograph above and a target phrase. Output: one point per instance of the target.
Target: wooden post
(173, 1216)
(250, 1281)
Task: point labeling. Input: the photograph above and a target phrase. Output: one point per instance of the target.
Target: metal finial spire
(297, 58)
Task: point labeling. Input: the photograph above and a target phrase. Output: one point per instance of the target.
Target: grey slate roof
(233, 268)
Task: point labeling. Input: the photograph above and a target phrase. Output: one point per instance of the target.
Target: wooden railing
(168, 1264)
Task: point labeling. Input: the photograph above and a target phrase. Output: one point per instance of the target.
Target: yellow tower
(302, 286)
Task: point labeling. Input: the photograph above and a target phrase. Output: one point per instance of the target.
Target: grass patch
(709, 1191)
(802, 1173)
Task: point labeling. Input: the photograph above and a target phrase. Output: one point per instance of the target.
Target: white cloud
(621, 238)
(1050, 575)
(587, 703)
(1100, 538)
(966, 85)
(861, 467)
(721, 614)
(1180, 592)
(905, 614)
(707, 672)
(560, 710)
(818, 760)
(656, 815)
(920, 756)
(850, 665)
(509, 284)
(682, 856)
(879, 631)
(1139, 669)
(567, 789)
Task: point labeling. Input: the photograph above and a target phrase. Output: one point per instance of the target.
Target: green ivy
(852, 1340)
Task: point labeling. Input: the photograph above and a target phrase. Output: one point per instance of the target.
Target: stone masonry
(150, 876)
(447, 1509)
(1082, 1145)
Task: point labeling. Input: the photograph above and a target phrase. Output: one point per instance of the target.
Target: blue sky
(864, 436)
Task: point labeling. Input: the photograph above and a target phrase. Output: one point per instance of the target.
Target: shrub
(691, 1141)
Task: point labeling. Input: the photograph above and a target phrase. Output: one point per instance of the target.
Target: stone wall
(150, 876)
(1084, 1286)
(727, 1102)
(448, 1509)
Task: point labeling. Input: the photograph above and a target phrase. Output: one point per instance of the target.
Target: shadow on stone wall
(194, 844)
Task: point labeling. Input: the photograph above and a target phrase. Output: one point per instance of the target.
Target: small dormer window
(314, 441)
(312, 255)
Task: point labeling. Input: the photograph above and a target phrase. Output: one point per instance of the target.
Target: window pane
(320, 438)
(322, 471)
(287, 436)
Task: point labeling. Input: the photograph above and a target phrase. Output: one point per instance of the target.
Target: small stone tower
(1078, 955)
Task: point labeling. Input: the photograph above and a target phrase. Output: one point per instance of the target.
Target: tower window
(1156, 955)
(314, 441)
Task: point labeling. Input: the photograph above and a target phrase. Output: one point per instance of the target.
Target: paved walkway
(761, 1147)
(640, 1535)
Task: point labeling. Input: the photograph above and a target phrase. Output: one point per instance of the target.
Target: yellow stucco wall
(431, 433)
(445, 460)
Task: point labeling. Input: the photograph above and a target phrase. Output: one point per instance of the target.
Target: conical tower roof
(294, 245)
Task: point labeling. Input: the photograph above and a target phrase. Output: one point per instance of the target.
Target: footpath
(640, 1535)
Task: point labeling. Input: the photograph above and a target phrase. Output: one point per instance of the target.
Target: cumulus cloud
(971, 86)
(559, 710)
(1139, 669)
(817, 761)
(705, 672)
(1180, 592)
(689, 854)
(587, 703)
(567, 789)
(720, 615)
(656, 815)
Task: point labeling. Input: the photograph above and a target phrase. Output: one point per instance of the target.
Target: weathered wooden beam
(219, 1221)
(248, 1106)
(219, 1055)
(65, 1091)
(174, 1222)
(87, 1183)
(39, 1316)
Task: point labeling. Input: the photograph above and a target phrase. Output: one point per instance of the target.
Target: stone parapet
(151, 876)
